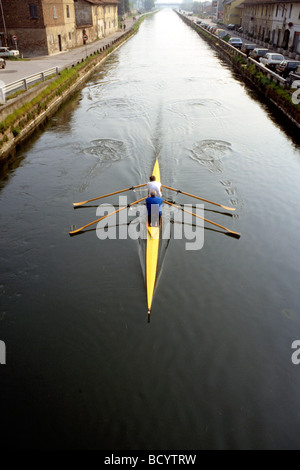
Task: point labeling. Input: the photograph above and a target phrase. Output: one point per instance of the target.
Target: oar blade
(228, 208)
(77, 204)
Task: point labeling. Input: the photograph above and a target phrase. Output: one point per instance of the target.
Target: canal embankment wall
(274, 88)
(21, 116)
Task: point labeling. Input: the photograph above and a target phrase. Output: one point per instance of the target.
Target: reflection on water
(213, 369)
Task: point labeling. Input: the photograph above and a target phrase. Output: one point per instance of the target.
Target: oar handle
(76, 204)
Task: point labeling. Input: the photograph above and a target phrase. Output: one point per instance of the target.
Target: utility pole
(4, 25)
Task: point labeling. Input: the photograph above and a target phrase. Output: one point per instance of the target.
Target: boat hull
(152, 252)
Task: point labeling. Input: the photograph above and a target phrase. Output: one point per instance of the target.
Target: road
(16, 70)
(235, 34)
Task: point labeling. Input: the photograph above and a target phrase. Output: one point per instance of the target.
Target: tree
(148, 5)
(123, 7)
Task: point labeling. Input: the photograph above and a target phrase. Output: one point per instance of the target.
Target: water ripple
(209, 153)
(106, 152)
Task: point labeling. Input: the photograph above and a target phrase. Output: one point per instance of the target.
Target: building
(273, 22)
(232, 12)
(96, 18)
(44, 27)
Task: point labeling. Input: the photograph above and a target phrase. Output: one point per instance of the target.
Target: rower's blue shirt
(154, 200)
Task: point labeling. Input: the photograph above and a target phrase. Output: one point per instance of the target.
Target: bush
(16, 131)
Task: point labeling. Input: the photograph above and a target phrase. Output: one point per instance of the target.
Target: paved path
(16, 70)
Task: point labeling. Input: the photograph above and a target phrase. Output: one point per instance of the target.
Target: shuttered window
(33, 11)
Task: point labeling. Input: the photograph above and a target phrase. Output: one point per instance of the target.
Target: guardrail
(231, 50)
(258, 65)
(24, 83)
(269, 73)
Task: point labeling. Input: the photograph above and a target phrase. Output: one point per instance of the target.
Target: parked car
(6, 52)
(2, 63)
(211, 29)
(221, 33)
(231, 26)
(258, 52)
(236, 42)
(287, 66)
(247, 48)
(270, 60)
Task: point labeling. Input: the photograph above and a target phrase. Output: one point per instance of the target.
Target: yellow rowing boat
(153, 233)
(152, 253)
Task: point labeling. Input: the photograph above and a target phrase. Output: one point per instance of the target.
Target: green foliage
(16, 131)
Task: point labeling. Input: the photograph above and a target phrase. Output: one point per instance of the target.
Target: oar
(76, 204)
(206, 220)
(73, 232)
(200, 198)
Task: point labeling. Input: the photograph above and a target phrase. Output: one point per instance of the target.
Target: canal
(213, 369)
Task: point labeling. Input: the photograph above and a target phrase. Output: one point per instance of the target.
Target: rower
(154, 208)
(154, 185)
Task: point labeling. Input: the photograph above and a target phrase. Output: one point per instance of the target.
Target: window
(54, 13)
(277, 7)
(70, 36)
(33, 11)
(68, 11)
(291, 7)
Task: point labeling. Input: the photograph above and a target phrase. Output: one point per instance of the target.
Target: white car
(270, 60)
(6, 52)
(236, 42)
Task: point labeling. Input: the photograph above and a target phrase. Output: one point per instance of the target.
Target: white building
(273, 22)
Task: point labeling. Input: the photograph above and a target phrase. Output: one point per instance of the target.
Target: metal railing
(273, 76)
(24, 83)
